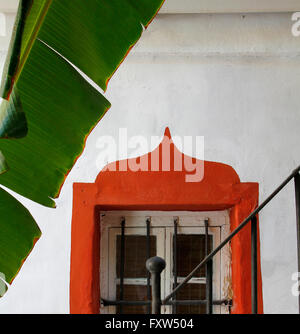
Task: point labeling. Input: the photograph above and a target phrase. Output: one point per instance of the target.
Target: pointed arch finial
(167, 133)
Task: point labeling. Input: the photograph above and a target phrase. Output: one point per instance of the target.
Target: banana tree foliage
(49, 108)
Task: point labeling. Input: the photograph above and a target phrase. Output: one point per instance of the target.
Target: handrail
(232, 234)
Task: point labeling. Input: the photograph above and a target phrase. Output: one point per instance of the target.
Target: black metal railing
(157, 302)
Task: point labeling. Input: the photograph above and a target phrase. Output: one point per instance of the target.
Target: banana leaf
(49, 107)
(18, 234)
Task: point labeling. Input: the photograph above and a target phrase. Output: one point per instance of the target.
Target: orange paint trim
(220, 189)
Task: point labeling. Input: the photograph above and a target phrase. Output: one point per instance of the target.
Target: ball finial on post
(155, 266)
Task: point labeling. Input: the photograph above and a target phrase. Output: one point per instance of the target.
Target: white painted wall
(233, 79)
(228, 6)
(204, 6)
(7, 20)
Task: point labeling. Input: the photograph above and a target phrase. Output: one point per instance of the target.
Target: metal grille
(179, 305)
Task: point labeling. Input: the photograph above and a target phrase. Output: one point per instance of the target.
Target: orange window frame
(220, 189)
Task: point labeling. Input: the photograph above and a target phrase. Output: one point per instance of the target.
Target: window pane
(191, 292)
(133, 293)
(190, 252)
(135, 255)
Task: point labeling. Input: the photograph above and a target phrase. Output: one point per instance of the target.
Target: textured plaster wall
(233, 79)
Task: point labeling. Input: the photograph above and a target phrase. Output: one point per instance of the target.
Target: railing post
(155, 265)
(122, 262)
(176, 219)
(297, 197)
(209, 274)
(209, 287)
(148, 222)
(254, 264)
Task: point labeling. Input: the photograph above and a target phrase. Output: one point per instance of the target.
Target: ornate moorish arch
(220, 189)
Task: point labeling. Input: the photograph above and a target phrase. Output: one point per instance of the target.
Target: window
(123, 274)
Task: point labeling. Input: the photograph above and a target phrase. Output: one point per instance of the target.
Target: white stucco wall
(231, 78)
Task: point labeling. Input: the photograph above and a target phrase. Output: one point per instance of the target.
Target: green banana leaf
(18, 235)
(13, 122)
(49, 108)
